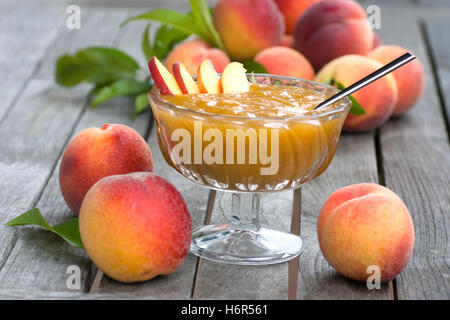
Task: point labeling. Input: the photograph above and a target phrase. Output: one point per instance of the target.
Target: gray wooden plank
(354, 162)
(416, 160)
(439, 41)
(33, 294)
(170, 4)
(179, 284)
(386, 3)
(433, 3)
(24, 38)
(34, 132)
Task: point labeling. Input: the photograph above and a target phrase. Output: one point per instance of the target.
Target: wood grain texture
(34, 133)
(436, 33)
(177, 285)
(433, 3)
(33, 294)
(416, 161)
(24, 38)
(386, 2)
(354, 162)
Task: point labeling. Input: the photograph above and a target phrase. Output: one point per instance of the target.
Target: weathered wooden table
(410, 155)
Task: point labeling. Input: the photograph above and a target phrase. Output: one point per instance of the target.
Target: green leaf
(253, 66)
(202, 16)
(147, 49)
(184, 22)
(356, 107)
(141, 104)
(98, 65)
(165, 39)
(68, 230)
(199, 20)
(126, 87)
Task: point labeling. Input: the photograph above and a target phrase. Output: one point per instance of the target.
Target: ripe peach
(330, 29)
(378, 99)
(191, 53)
(95, 153)
(410, 78)
(285, 61)
(365, 225)
(248, 26)
(292, 10)
(135, 226)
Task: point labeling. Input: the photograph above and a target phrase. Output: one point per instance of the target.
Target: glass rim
(345, 102)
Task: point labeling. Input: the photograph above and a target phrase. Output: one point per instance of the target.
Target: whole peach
(410, 78)
(135, 226)
(95, 153)
(192, 53)
(378, 98)
(292, 10)
(330, 29)
(365, 225)
(248, 26)
(285, 61)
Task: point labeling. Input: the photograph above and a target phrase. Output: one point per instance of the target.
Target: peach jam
(267, 139)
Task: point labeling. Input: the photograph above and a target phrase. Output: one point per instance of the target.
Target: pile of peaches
(322, 40)
(133, 224)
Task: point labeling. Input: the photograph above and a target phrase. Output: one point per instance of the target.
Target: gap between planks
(392, 289)
(209, 210)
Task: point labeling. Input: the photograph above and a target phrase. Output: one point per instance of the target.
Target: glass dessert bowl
(267, 140)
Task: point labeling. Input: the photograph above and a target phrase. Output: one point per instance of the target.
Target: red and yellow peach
(292, 10)
(135, 226)
(410, 78)
(248, 26)
(330, 29)
(365, 225)
(95, 153)
(193, 52)
(285, 61)
(378, 98)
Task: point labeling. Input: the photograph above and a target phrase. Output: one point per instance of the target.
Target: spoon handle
(388, 68)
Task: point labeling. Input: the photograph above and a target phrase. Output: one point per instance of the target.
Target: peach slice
(208, 79)
(184, 79)
(163, 79)
(233, 79)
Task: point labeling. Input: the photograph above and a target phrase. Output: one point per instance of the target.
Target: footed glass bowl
(248, 155)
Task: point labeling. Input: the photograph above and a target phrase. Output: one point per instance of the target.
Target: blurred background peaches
(323, 40)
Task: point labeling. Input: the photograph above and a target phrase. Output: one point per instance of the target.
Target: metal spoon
(388, 68)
